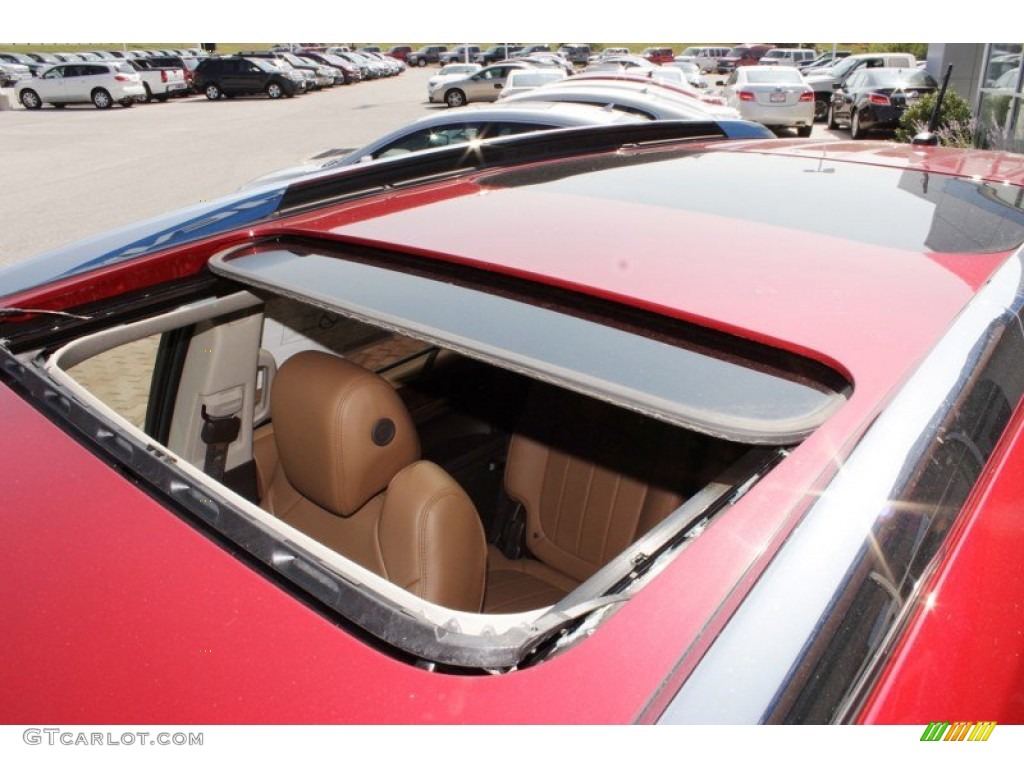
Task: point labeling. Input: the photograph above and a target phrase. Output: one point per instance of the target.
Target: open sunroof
(667, 369)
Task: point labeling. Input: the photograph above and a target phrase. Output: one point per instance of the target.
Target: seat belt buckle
(219, 431)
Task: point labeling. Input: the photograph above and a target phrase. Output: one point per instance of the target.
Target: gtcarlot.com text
(70, 738)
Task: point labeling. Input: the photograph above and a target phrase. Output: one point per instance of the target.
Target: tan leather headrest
(342, 432)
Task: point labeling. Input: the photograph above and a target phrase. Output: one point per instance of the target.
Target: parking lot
(80, 171)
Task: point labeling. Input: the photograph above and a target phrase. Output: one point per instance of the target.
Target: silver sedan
(777, 97)
(485, 85)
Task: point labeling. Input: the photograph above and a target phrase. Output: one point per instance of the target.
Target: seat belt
(218, 434)
(221, 426)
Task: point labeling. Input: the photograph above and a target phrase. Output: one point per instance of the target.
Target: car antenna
(929, 138)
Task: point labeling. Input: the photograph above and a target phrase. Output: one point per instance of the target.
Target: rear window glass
(900, 78)
(785, 75)
(126, 68)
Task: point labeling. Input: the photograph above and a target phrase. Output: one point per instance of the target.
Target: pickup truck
(458, 54)
(160, 82)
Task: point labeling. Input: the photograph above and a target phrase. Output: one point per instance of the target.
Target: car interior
(539, 486)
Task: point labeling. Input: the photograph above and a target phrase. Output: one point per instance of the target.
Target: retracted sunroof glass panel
(667, 369)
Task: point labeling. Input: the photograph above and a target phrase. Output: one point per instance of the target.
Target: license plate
(777, 98)
(176, 87)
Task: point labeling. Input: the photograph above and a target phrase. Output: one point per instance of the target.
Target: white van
(788, 57)
(705, 57)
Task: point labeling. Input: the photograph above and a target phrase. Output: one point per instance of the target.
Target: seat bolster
(431, 539)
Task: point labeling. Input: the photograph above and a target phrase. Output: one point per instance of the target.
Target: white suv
(705, 57)
(101, 82)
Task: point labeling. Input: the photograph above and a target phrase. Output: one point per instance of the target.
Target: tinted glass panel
(914, 211)
(657, 372)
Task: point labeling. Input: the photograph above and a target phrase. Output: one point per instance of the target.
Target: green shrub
(956, 126)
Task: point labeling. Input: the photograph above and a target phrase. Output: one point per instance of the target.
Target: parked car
(547, 61)
(644, 462)
(607, 53)
(774, 96)
(465, 54)
(400, 51)
(101, 83)
(704, 56)
(497, 53)
(11, 74)
(875, 99)
(44, 58)
(691, 72)
(787, 57)
(449, 73)
(520, 80)
(824, 61)
(484, 85)
(658, 55)
(575, 53)
(230, 76)
(34, 67)
(474, 123)
(825, 81)
(428, 54)
(350, 72)
(529, 50)
(187, 64)
(651, 100)
(625, 62)
(742, 56)
(159, 82)
(316, 75)
(657, 82)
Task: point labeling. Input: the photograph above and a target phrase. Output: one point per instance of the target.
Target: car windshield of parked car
(845, 66)
(775, 75)
(459, 69)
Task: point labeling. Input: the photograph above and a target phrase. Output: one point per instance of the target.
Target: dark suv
(236, 75)
(428, 54)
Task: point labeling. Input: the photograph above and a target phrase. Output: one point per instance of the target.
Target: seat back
(347, 472)
(592, 478)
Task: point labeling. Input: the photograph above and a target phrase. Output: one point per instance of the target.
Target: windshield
(840, 69)
(459, 69)
(266, 66)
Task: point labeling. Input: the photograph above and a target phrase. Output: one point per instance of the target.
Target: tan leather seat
(346, 471)
(591, 478)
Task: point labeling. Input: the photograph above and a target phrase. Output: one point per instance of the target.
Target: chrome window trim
(758, 665)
